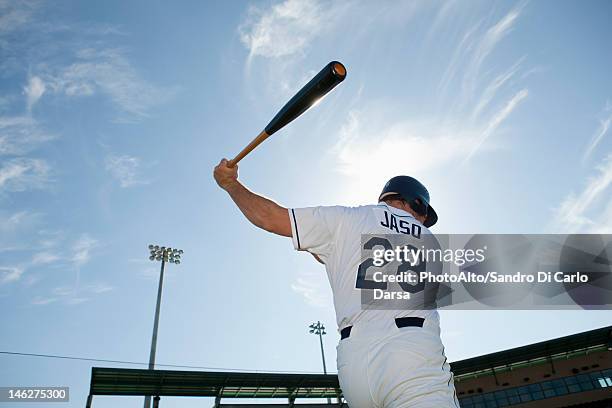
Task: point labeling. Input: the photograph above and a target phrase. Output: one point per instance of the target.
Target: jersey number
(364, 283)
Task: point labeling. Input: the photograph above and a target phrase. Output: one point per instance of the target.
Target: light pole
(163, 254)
(318, 329)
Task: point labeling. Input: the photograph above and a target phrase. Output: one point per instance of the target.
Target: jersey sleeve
(314, 229)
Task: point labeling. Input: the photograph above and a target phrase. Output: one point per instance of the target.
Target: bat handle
(249, 148)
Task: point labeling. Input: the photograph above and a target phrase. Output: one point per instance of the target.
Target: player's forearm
(260, 211)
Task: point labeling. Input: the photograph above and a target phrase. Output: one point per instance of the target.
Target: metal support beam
(156, 401)
(89, 401)
(495, 376)
(552, 365)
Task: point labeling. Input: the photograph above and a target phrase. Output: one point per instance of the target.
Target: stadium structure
(573, 371)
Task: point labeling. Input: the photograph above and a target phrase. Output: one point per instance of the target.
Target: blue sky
(113, 114)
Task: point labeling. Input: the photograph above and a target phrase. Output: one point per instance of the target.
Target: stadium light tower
(163, 254)
(318, 329)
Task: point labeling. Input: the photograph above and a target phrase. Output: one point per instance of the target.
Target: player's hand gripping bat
(326, 80)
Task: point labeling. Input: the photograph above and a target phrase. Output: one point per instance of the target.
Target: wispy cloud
(49, 239)
(68, 295)
(43, 301)
(485, 46)
(76, 256)
(81, 254)
(98, 287)
(467, 65)
(372, 142)
(149, 273)
(33, 91)
(10, 274)
(16, 228)
(62, 294)
(312, 288)
(358, 151)
(108, 71)
(22, 174)
(81, 250)
(45, 257)
(125, 169)
(52, 248)
(602, 130)
(491, 90)
(14, 14)
(285, 29)
(20, 135)
(14, 220)
(576, 213)
(496, 120)
(36, 47)
(461, 52)
(368, 152)
(53, 251)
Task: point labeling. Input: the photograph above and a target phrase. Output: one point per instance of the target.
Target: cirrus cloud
(33, 91)
(10, 274)
(20, 174)
(579, 212)
(285, 29)
(126, 169)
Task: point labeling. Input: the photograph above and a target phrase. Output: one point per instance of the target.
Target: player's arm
(262, 212)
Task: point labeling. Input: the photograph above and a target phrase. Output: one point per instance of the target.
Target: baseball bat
(326, 80)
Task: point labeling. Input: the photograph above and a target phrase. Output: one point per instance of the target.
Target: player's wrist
(231, 185)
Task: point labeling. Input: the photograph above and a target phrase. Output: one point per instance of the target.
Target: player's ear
(406, 206)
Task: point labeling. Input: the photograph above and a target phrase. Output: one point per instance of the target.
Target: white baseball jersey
(334, 235)
(379, 364)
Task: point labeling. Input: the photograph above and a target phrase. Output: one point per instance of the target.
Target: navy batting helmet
(415, 194)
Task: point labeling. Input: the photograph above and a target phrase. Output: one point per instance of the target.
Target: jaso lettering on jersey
(401, 226)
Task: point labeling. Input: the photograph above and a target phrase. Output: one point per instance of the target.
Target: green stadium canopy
(158, 383)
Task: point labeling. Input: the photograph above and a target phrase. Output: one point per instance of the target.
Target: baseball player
(386, 358)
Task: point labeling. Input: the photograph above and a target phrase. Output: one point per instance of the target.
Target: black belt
(399, 322)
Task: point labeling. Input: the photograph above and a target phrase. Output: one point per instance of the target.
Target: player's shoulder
(343, 213)
(364, 207)
(356, 210)
(361, 213)
(345, 208)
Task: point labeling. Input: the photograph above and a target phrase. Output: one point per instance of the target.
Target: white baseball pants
(383, 366)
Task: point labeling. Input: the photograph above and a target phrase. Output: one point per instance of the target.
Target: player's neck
(404, 208)
(398, 207)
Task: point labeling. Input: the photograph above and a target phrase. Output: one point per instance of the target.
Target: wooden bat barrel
(319, 86)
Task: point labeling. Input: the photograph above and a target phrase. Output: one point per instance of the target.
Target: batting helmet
(411, 190)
